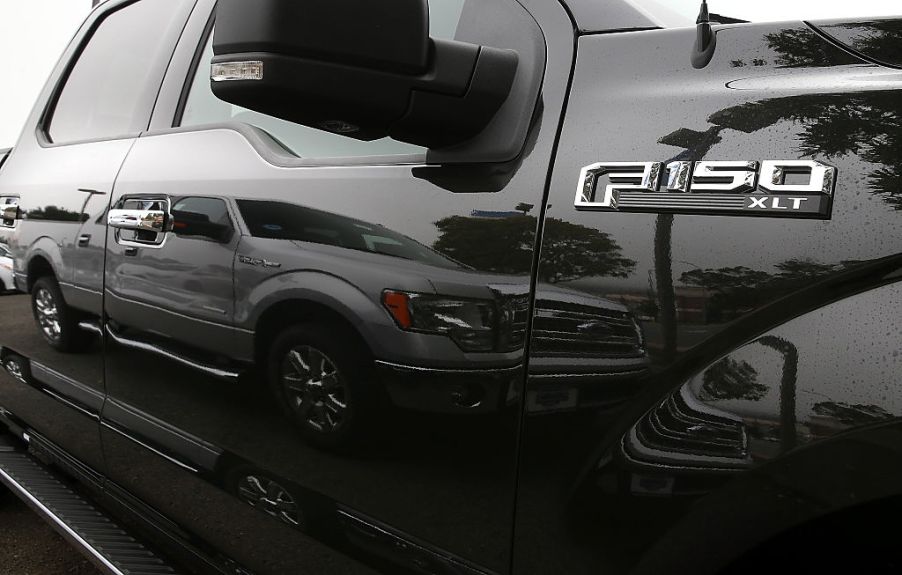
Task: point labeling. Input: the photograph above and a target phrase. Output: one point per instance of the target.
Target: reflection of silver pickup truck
(223, 278)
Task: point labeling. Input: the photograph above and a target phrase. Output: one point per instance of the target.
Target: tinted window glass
(212, 209)
(206, 218)
(284, 221)
(109, 92)
(203, 107)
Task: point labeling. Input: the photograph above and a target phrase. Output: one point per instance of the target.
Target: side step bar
(106, 544)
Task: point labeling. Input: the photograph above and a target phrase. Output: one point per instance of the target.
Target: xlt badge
(783, 188)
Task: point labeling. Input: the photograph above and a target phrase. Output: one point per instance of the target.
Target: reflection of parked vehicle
(235, 220)
(586, 351)
(7, 281)
(375, 320)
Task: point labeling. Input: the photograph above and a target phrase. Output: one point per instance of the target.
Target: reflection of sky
(671, 13)
(848, 352)
(33, 34)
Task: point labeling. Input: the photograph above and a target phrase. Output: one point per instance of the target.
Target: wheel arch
(289, 312)
(790, 495)
(38, 266)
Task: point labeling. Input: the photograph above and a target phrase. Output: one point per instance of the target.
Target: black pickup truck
(465, 287)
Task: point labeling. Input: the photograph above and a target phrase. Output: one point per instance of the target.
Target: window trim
(192, 70)
(147, 101)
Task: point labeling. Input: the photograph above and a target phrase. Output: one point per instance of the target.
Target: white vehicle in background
(6, 270)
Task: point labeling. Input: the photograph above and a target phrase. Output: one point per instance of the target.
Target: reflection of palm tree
(505, 245)
(800, 47)
(732, 379)
(866, 123)
(664, 280)
(738, 289)
(788, 382)
(696, 145)
(879, 39)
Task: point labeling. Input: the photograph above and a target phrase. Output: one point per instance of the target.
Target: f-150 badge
(776, 188)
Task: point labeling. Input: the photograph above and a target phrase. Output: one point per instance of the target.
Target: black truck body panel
(626, 390)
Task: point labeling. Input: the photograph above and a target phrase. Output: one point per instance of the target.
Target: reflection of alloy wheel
(270, 497)
(57, 322)
(17, 367)
(314, 389)
(318, 375)
(47, 313)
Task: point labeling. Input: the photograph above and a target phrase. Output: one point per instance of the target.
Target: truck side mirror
(360, 68)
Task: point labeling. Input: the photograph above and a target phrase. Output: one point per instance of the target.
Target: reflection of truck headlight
(640, 337)
(470, 323)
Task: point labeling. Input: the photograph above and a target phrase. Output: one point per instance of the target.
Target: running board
(107, 545)
(222, 373)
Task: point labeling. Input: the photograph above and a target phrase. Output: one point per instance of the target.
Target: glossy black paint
(879, 40)
(191, 423)
(690, 386)
(772, 344)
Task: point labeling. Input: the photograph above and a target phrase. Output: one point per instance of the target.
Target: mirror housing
(359, 68)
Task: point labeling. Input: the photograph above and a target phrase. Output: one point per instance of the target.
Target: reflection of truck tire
(260, 491)
(318, 374)
(295, 506)
(18, 367)
(57, 322)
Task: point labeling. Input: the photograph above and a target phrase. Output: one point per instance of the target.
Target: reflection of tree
(696, 145)
(854, 415)
(56, 214)
(666, 301)
(505, 245)
(868, 124)
(739, 289)
(879, 39)
(731, 379)
(788, 384)
(800, 47)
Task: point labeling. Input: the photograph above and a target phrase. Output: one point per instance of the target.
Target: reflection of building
(489, 215)
(691, 303)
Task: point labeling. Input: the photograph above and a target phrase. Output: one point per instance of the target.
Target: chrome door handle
(156, 221)
(9, 215)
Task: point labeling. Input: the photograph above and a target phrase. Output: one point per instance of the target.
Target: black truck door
(239, 441)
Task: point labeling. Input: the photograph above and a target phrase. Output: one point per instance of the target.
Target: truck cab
(458, 286)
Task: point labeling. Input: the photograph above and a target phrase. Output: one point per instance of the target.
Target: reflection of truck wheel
(57, 322)
(260, 491)
(17, 366)
(316, 373)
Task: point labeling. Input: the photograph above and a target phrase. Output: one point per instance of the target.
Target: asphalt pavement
(28, 546)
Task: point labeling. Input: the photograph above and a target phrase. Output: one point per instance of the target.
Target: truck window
(106, 92)
(202, 107)
(293, 222)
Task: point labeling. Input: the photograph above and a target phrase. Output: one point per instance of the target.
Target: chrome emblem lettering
(783, 188)
(624, 176)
